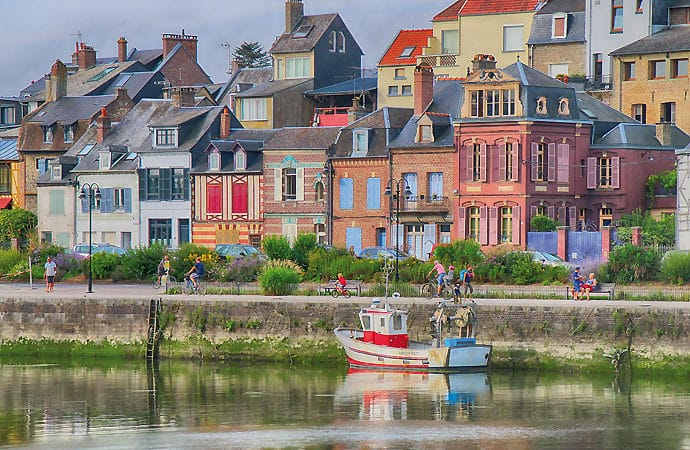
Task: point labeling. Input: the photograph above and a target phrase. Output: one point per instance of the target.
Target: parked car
(550, 259)
(382, 252)
(82, 250)
(239, 251)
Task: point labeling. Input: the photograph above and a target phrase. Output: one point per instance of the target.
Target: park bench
(352, 286)
(603, 290)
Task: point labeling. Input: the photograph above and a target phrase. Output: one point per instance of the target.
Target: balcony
(595, 83)
(330, 117)
(445, 60)
(421, 204)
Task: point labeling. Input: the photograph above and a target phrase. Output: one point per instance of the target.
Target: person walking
(466, 278)
(577, 284)
(163, 268)
(50, 272)
(440, 276)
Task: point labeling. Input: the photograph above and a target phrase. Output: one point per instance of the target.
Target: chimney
(122, 49)
(294, 11)
(56, 85)
(235, 66)
(355, 112)
(483, 61)
(663, 133)
(171, 40)
(103, 126)
(423, 88)
(183, 97)
(86, 56)
(225, 120)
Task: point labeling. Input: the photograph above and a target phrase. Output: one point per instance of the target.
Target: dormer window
(360, 142)
(104, 160)
(165, 137)
(56, 173)
(47, 134)
(559, 27)
(240, 160)
(69, 132)
(425, 134)
(541, 105)
(564, 107)
(214, 161)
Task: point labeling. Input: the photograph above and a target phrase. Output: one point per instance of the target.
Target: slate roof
(288, 43)
(67, 110)
(639, 136)
(8, 150)
(180, 48)
(383, 124)
(564, 6)
(134, 82)
(531, 77)
(252, 141)
(595, 110)
(268, 89)
(542, 25)
(346, 87)
(145, 57)
(406, 38)
(674, 39)
(303, 138)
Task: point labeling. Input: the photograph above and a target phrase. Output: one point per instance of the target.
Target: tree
(542, 223)
(251, 54)
(16, 223)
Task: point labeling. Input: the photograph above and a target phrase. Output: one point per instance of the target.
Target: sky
(37, 32)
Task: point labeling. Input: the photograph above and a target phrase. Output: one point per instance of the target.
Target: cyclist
(196, 272)
(440, 276)
(340, 284)
(163, 268)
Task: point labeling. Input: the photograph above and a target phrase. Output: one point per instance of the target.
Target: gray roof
(243, 80)
(134, 82)
(8, 150)
(383, 125)
(598, 111)
(67, 110)
(564, 6)
(353, 86)
(531, 77)
(252, 140)
(303, 138)
(640, 136)
(674, 39)
(288, 43)
(145, 56)
(542, 25)
(272, 87)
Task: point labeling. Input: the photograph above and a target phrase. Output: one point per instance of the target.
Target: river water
(187, 405)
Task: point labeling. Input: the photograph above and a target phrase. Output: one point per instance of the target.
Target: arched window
(318, 189)
(341, 42)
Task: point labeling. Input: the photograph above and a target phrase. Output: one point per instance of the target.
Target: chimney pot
(103, 125)
(225, 120)
(183, 97)
(423, 88)
(122, 49)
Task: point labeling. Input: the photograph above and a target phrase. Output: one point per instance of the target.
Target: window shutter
(353, 238)
(516, 225)
(502, 161)
(470, 162)
(532, 211)
(493, 226)
(429, 239)
(277, 184)
(374, 193)
(484, 225)
(462, 223)
(107, 200)
(615, 172)
(591, 173)
(239, 198)
(186, 184)
(84, 204)
(142, 184)
(561, 215)
(57, 203)
(552, 212)
(563, 163)
(552, 162)
(516, 161)
(214, 199)
(573, 218)
(482, 162)
(165, 186)
(533, 161)
(128, 200)
(300, 184)
(346, 200)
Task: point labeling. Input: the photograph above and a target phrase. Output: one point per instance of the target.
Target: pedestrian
(352, 251)
(163, 268)
(466, 276)
(577, 284)
(440, 275)
(50, 272)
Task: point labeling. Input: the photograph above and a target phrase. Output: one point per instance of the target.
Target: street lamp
(91, 192)
(388, 192)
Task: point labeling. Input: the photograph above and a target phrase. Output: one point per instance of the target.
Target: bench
(607, 290)
(352, 286)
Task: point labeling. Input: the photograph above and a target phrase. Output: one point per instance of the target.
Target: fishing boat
(383, 340)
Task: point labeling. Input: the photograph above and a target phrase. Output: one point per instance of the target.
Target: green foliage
(541, 222)
(665, 182)
(197, 318)
(103, 264)
(9, 259)
(660, 231)
(675, 267)
(16, 223)
(304, 244)
(184, 258)
(631, 264)
(505, 264)
(279, 280)
(459, 253)
(324, 264)
(242, 270)
(42, 253)
(230, 325)
(276, 247)
(251, 54)
(141, 263)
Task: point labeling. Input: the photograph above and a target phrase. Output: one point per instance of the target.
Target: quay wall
(564, 328)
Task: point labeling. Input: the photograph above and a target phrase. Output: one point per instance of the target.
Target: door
(380, 237)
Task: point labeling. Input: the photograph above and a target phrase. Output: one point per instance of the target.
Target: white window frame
(341, 38)
(214, 161)
(360, 141)
(240, 160)
(508, 44)
(298, 67)
(119, 199)
(393, 91)
(556, 17)
(253, 108)
(165, 133)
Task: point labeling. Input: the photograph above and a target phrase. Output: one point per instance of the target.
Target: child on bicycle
(341, 283)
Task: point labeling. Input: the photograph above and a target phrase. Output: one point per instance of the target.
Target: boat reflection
(401, 395)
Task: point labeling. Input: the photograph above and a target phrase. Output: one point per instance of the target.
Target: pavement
(109, 291)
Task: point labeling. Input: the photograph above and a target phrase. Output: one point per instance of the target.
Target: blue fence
(543, 241)
(584, 245)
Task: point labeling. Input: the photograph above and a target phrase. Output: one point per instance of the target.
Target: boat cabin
(384, 326)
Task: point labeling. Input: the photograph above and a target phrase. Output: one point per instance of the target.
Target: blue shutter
(353, 238)
(107, 200)
(186, 184)
(346, 193)
(84, 204)
(374, 193)
(165, 184)
(128, 200)
(142, 184)
(429, 239)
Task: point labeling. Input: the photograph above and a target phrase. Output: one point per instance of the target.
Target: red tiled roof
(450, 13)
(479, 7)
(406, 38)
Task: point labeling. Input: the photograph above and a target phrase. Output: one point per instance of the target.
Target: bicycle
(165, 280)
(430, 289)
(339, 290)
(191, 288)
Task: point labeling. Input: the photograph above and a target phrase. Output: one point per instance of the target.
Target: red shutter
(561, 215)
(516, 161)
(502, 161)
(533, 160)
(573, 218)
(482, 162)
(516, 225)
(591, 173)
(240, 203)
(462, 223)
(214, 199)
(563, 163)
(483, 225)
(615, 172)
(493, 226)
(552, 162)
(470, 162)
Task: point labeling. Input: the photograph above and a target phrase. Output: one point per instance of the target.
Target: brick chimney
(423, 88)
(663, 133)
(86, 56)
(171, 40)
(294, 11)
(483, 61)
(355, 112)
(225, 121)
(183, 97)
(56, 84)
(103, 126)
(122, 49)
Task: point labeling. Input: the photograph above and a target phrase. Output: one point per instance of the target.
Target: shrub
(103, 264)
(524, 270)
(42, 253)
(541, 222)
(241, 269)
(17, 223)
(303, 245)
(9, 259)
(459, 253)
(276, 247)
(630, 264)
(183, 259)
(675, 267)
(321, 262)
(142, 263)
(278, 280)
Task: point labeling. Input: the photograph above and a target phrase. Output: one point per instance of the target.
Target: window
(679, 68)
(508, 102)
(180, 183)
(341, 42)
(373, 193)
(668, 112)
(318, 191)
(513, 40)
(425, 134)
(289, 183)
(477, 104)
(493, 101)
(240, 160)
(280, 73)
(332, 41)
(346, 193)
(253, 109)
(302, 31)
(407, 89)
(559, 26)
(119, 199)
(42, 165)
(616, 16)
(166, 137)
(542, 162)
(46, 237)
(444, 233)
(476, 162)
(47, 135)
(57, 203)
(639, 112)
(657, 69)
(360, 141)
(320, 232)
(605, 172)
(85, 150)
(564, 107)
(214, 161)
(5, 179)
(558, 69)
(214, 199)
(435, 186)
(68, 131)
(605, 217)
(407, 52)
(411, 182)
(400, 74)
(298, 67)
(8, 116)
(392, 91)
(160, 232)
(183, 231)
(153, 180)
(628, 71)
(449, 42)
(638, 7)
(541, 105)
(506, 224)
(56, 173)
(507, 156)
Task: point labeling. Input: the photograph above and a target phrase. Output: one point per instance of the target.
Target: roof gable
(297, 40)
(406, 39)
(450, 13)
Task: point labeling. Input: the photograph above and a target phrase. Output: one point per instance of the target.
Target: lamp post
(91, 192)
(395, 184)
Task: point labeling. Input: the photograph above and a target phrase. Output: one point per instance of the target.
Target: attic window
(541, 105)
(407, 52)
(48, 134)
(424, 134)
(360, 142)
(240, 160)
(56, 173)
(85, 150)
(165, 137)
(101, 74)
(564, 107)
(302, 31)
(559, 26)
(214, 161)
(68, 131)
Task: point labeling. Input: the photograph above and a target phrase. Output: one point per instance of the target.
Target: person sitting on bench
(590, 285)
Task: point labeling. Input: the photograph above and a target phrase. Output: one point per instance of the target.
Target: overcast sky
(37, 32)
